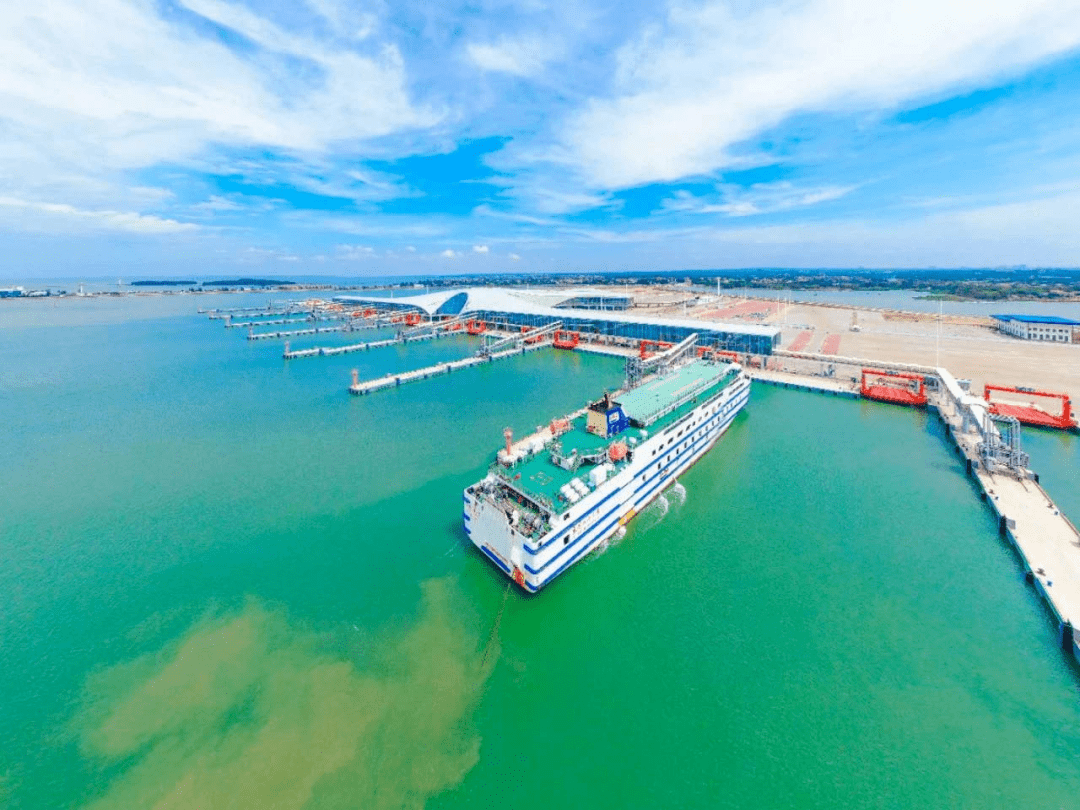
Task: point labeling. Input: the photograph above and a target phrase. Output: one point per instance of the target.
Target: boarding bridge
(637, 367)
(1000, 445)
(530, 336)
(996, 439)
(431, 327)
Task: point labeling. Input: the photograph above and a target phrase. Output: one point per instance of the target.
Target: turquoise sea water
(229, 584)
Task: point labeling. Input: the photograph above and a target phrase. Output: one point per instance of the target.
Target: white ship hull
(656, 463)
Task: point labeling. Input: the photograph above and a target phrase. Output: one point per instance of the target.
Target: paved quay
(1046, 541)
(821, 385)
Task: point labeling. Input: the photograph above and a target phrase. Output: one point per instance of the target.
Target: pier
(430, 331)
(330, 351)
(231, 324)
(818, 385)
(351, 326)
(393, 380)
(253, 312)
(1046, 541)
(314, 330)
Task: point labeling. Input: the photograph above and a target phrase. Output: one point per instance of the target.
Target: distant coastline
(986, 285)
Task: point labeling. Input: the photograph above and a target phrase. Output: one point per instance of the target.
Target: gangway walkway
(434, 326)
(526, 338)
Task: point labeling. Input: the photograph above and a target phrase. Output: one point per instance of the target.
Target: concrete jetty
(820, 385)
(314, 330)
(393, 380)
(251, 312)
(1046, 541)
(607, 350)
(330, 351)
(230, 324)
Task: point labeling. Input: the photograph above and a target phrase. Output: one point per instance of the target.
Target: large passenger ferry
(551, 497)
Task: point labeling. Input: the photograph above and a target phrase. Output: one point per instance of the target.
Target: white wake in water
(664, 505)
(614, 540)
(678, 493)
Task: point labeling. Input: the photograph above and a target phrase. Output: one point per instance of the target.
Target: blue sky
(332, 137)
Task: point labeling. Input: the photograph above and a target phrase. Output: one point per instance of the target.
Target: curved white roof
(500, 299)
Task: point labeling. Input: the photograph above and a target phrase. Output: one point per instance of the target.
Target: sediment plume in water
(247, 709)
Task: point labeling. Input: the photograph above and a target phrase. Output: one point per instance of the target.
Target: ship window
(565, 540)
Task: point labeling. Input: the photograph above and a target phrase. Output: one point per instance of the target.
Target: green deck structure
(647, 402)
(540, 479)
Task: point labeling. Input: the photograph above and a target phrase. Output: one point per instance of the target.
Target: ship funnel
(508, 434)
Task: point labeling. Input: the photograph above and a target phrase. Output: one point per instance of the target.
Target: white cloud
(355, 251)
(345, 20)
(514, 257)
(545, 199)
(89, 90)
(480, 248)
(81, 219)
(373, 226)
(448, 254)
(257, 255)
(486, 210)
(527, 56)
(716, 74)
(762, 198)
(1034, 231)
(216, 204)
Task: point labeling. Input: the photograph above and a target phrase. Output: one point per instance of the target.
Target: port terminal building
(1040, 327)
(588, 312)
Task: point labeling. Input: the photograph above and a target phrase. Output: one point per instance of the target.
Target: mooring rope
(498, 620)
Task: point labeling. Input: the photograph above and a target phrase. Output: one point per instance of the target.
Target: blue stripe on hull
(495, 559)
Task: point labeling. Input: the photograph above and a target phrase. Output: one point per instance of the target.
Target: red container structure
(1031, 414)
(646, 351)
(717, 353)
(566, 340)
(475, 327)
(894, 387)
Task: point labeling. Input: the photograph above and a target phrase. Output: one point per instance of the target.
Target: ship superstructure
(553, 496)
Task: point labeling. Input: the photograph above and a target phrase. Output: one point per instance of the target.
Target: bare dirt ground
(970, 347)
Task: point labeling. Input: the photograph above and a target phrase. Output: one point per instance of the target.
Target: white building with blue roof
(1040, 327)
